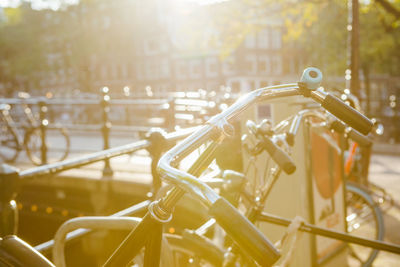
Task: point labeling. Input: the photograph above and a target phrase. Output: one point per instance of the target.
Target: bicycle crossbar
(309, 228)
(78, 233)
(68, 164)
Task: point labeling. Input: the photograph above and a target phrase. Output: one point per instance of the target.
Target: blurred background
(72, 48)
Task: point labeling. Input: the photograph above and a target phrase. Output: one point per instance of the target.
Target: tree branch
(389, 8)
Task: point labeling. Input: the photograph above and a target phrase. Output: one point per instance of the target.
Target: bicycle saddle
(17, 253)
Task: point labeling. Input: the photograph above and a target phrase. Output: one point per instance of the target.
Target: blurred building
(143, 43)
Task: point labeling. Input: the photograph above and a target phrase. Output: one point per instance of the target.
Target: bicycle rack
(10, 176)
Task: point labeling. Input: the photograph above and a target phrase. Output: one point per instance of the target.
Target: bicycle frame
(256, 213)
(5, 113)
(11, 123)
(148, 232)
(216, 129)
(160, 211)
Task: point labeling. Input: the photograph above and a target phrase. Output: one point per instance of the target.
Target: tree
(318, 28)
(22, 47)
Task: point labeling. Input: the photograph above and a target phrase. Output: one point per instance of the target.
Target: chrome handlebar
(220, 124)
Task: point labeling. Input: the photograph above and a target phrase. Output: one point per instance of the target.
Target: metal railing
(178, 108)
(136, 115)
(10, 176)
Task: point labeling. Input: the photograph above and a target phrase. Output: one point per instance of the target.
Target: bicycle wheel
(364, 218)
(194, 252)
(9, 147)
(57, 142)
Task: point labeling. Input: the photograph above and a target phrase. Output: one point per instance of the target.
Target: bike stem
(160, 212)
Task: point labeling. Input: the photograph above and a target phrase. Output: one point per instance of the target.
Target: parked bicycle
(366, 199)
(42, 142)
(253, 246)
(363, 215)
(250, 240)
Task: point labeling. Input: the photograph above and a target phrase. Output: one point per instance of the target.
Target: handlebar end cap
(312, 78)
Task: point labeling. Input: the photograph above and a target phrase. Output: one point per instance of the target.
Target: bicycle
(363, 215)
(36, 137)
(268, 137)
(9, 141)
(367, 199)
(252, 243)
(250, 240)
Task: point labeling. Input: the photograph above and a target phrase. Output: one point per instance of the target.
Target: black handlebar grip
(338, 126)
(244, 233)
(362, 140)
(354, 135)
(279, 156)
(347, 114)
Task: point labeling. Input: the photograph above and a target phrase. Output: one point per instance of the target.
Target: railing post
(105, 104)
(8, 208)
(44, 122)
(158, 144)
(127, 93)
(170, 122)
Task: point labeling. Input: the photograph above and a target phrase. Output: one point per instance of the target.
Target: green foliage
(37, 43)
(21, 45)
(380, 41)
(13, 15)
(323, 35)
(318, 29)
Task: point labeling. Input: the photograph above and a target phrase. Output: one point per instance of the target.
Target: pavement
(386, 148)
(384, 171)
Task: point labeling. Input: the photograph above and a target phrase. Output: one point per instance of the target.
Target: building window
(264, 65)
(276, 39)
(211, 67)
(252, 85)
(195, 69)
(163, 45)
(181, 70)
(263, 38)
(250, 41)
(164, 68)
(151, 70)
(235, 87)
(263, 84)
(250, 64)
(151, 46)
(228, 67)
(276, 64)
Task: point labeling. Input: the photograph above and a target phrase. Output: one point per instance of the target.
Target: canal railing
(10, 177)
